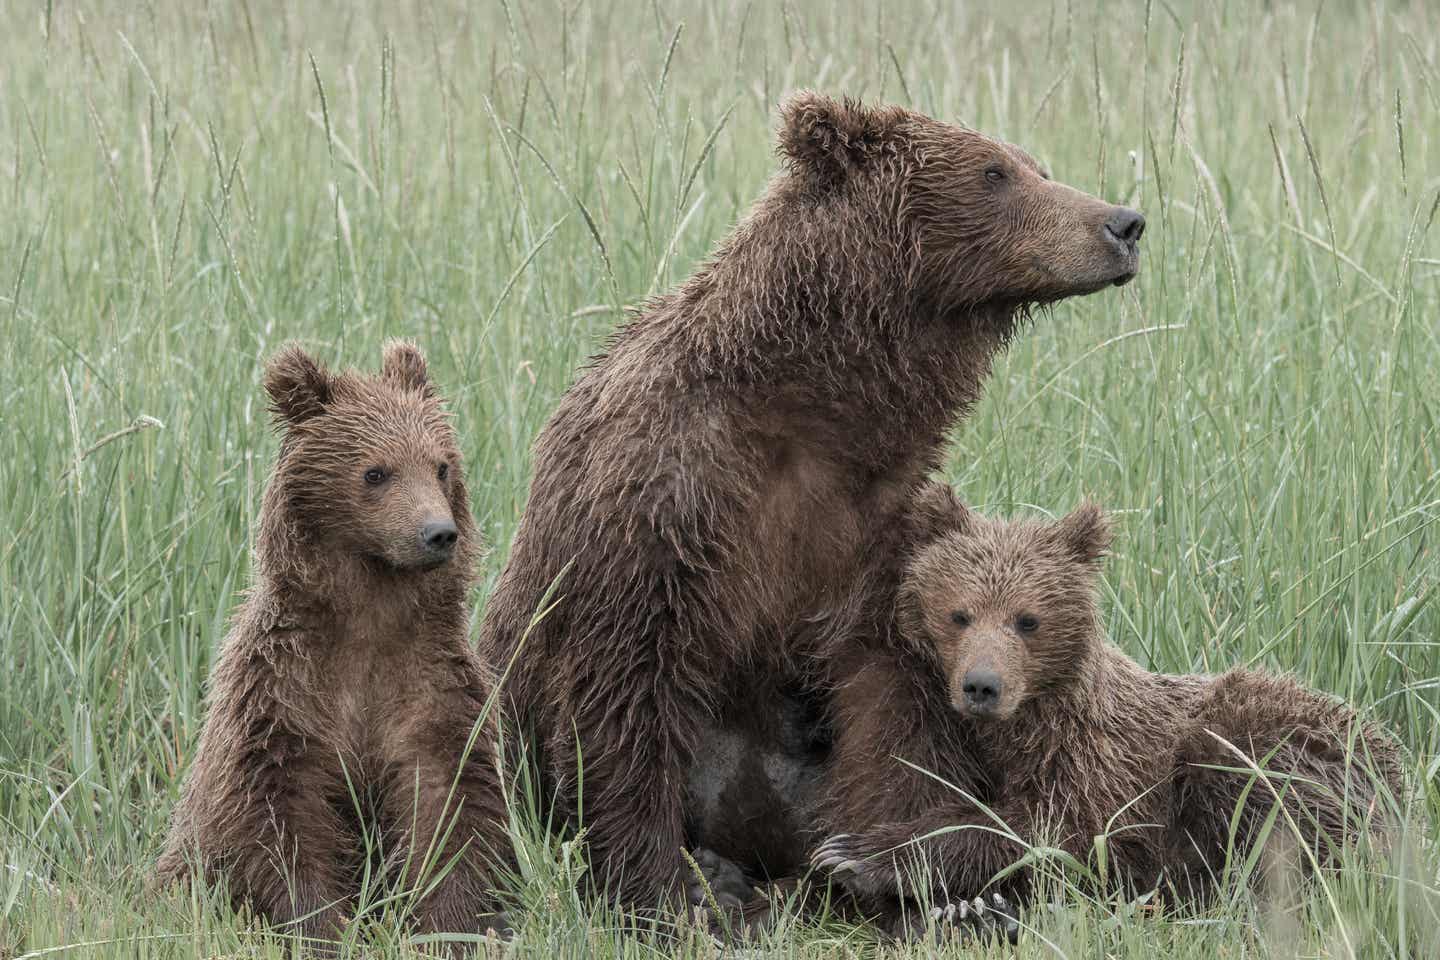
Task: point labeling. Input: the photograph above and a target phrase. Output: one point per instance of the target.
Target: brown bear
(1077, 741)
(711, 492)
(346, 672)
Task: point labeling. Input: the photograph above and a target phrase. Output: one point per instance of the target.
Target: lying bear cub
(1078, 742)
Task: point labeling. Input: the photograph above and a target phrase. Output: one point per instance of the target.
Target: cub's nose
(439, 537)
(1126, 225)
(982, 690)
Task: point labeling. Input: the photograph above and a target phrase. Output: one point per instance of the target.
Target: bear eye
(994, 174)
(1026, 623)
(376, 476)
(444, 471)
(960, 618)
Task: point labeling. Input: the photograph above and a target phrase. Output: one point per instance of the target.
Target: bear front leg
(627, 782)
(952, 852)
(452, 819)
(893, 730)
(274, 830)
(946, 858)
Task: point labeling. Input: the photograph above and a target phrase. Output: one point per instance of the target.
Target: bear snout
(438, 538)
(1126, 225)
(982, 689)
(1123, 228)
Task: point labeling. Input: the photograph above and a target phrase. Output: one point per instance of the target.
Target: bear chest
(816, 522)
(375, 679)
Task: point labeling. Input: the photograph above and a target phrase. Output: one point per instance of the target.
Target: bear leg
(635, 748)
(283, 843)
(454, 814)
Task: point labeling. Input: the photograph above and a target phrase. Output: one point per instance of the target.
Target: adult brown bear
(715, 484)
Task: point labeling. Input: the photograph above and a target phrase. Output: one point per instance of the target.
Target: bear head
(369, 465)
(1007, 607)
(979, 221)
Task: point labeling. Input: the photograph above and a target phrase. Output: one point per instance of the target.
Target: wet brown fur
(723, 477)
(349, 658)
(1084, 742)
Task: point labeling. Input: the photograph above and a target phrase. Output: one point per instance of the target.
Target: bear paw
(717, 877)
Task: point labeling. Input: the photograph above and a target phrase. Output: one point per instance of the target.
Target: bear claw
(847, 858)
(988, 919)
(981, 918)
(844, 857)
(835, 854)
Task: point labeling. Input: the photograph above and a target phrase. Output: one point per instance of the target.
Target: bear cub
(1078, 741)
(346, 672)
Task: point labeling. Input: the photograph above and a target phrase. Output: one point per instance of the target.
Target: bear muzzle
(1123, 229)
(981, 689)
(437, 540)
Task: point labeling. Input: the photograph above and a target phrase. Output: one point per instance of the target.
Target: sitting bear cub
(346, 674)
(1078, 741)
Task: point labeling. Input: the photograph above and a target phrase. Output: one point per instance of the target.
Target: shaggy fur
(715, 484)
(349, 660)
(1077, 741)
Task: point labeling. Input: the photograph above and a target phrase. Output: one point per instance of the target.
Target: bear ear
(936, 511)
(827, 137)
(299, 387)
(404, 365)
(910, 613)
(925, 573)
(910, 598)
(1084, 533)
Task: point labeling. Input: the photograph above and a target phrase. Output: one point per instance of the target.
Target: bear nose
(1126, 225)
(982, 690)
(439, 536)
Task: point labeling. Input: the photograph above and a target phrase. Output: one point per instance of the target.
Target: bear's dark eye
(1026, 623)
(994, 174)
(960, 618)
(376, 476)
(444, 471)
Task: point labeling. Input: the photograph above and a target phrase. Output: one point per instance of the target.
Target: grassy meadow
(185, 186)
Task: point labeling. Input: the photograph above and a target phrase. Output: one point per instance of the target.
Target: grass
(185, 186)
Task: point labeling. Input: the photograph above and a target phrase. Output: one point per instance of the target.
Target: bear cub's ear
(829, 137)
(404, 365)
(935, 511)
(1085, 533)
(299, 387)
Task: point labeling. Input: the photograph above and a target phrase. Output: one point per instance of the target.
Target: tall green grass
(184, 186)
